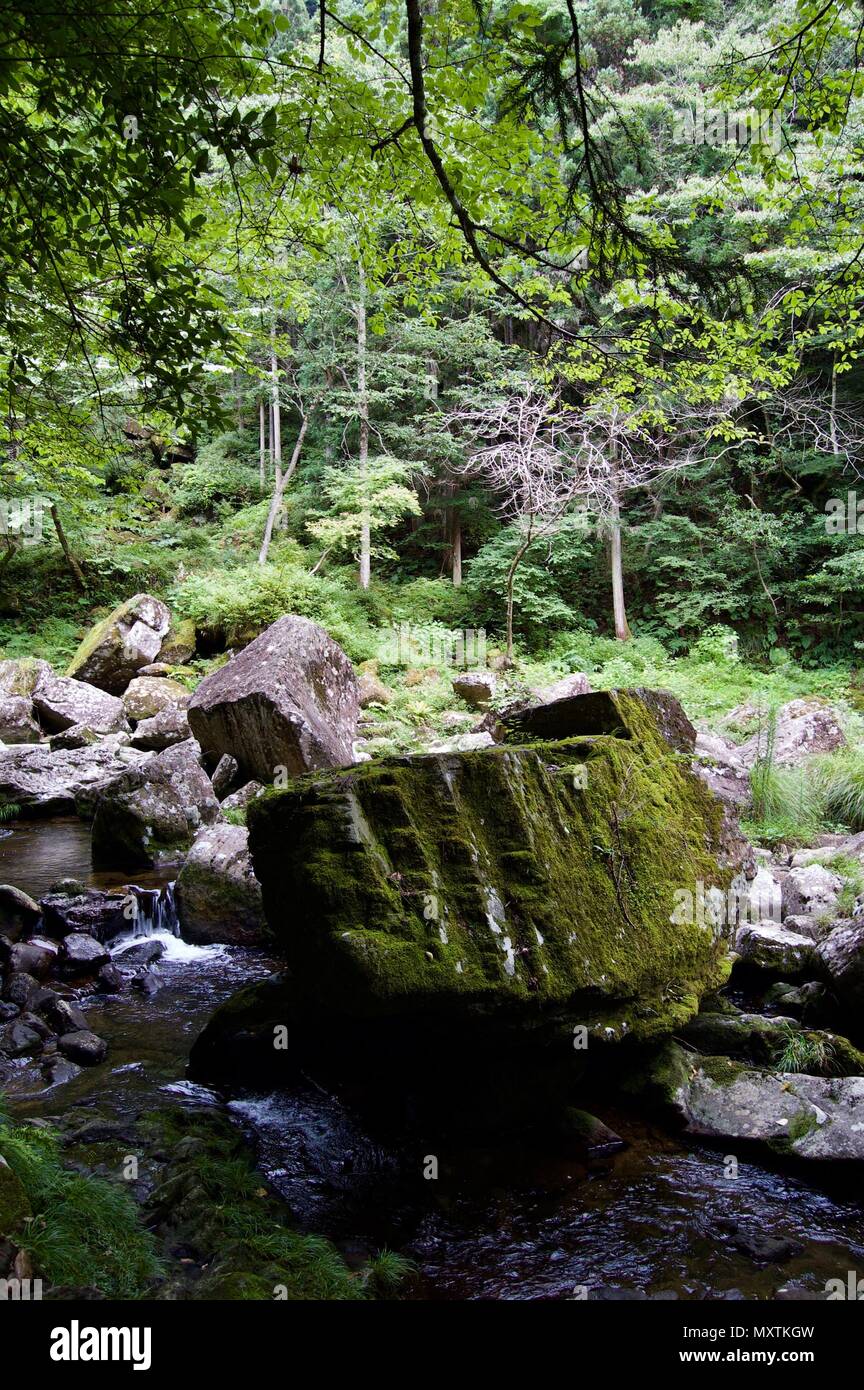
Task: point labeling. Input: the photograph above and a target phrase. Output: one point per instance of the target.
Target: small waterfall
(155, 912)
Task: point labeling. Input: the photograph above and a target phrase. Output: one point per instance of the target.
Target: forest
(430, 491)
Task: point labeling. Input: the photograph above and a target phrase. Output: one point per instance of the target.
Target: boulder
(751, 1036)
(803, 727)
(225, 776)
(476, 688)
(61, 702)
(81, 954)
(146, 696)
(83, 1047)
(115, 649)
(462, 743)
(62, 1015)
(18, 911)
(33, 957)
(17, 724)
(45, 783)
(22, 677)
(812, 1117)
(372, 691)
(722, 768)
(78, 736)
(841, 961)
(97, 913)
(163, 730)
(179, 646)
(153, 811)
(21, 990)
(615, 713)
(218, 896)
(768, 946)
(18, 1039)
(238, 800)
(288, 701)
(811, 891)
(564, 689)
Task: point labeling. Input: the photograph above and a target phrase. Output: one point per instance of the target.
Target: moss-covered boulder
(522, 881)
(115, 649)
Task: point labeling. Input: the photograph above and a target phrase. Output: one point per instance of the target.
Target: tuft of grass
(388, 1273)
(809, 1053)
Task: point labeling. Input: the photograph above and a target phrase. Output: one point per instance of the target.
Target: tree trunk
(456, 546)
(363, 411)
(279, 491)
(73, 564)
(276, 418)
(262, 448)
(622, 627)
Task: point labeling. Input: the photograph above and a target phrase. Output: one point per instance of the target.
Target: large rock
(577, 683)
(476, 687)
(146, 696)
(506, 876)
(21, 677)
(841, 962)
(43, 782)
(768, 946)
(811, 891)
(218, 896)
(18, 911)
(287, 701)
(153, 811)
(720, 765)
(803, 727)
(61, 702)
(163, 730)
(115, 649)
(623, 714)
(95, 912)
(812, 1117)
(17, 724)
(179, 645)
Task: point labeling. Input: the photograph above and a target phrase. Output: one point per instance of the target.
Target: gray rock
(82, 955)
(63, 1016)
(110, 980)
(218, 896)
(32, 958)
(78, 736)
(152, 812)
(95, 912)
(115, 650)
(462, 743)
(163, 730)
(22, 677)
(289, 700)
(564, 689)
(841, 961)
(476, 688)
(83, 1047)
(372, 691)
(18, 911)
(811, 891)
(239, 799)
(17, 724)
(46, 783)
(139, 953)
(61, 702)
(225, 776)
(767, 946)
(20, 990)
(803, 727)
(602, 712)
(147, 696)
(18, 1039)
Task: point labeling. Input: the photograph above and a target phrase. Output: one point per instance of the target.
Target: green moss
(97, 635)
(429, 882)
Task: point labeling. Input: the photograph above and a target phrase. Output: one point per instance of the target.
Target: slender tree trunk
(279, 491)
(622, 627)
(456, 546)
(262, 448)
(276, 417)
(511, 580)
(363, 411)
(73, 564)
(835, 446)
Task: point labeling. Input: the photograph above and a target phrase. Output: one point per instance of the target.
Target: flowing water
(665, 1216)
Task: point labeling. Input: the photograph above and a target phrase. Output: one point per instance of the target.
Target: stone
(372, 691)
(18, 1039)
(110, 979)
(803, 727)
(82, 955)
(32, 958)
(808, 1002)
(615, 713)
(17, 724)
(154, 811)
(225, 776)
(462, 743)
(238, 800)
(139, 953)
(78, 736)
(289, 700)
(812, 890)
(723, 769)
(21, 677)
(18, 911)
(21, 989)
(95, 912)
(476, 688)
(147, 696)
(156, 668)
(83, 1047)
(841, 962)
(768, 946)
(587, 1134)
(61, 702)
(179, 645)
(218, 897)
(114, 650)
(63, 1016)
(750, 1036)
(46, 783)
(564, 689)
(163, 730)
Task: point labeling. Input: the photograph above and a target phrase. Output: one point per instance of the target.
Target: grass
(809, 1053)
(84, 1231)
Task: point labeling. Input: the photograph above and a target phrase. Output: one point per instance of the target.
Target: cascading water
(151, 912)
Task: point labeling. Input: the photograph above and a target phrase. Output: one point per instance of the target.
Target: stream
(660, 1218)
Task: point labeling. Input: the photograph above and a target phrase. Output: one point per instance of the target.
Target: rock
(18, 1039)
(179, 645)
(238, 800)
(765, 897)
(763, 1247)
(218, 897)
(83, 1047)
(462, 743)
(93, 911)
(17, 724)
(32, 958)
(372, 691)
(225, 776)
(809, 1002)
(436, 881)
(147, 982)
(110, 980)
(812, 1117)
(803, 727)
(841, 961)
(476, 688)
(564, 689)
(8, 1012)
(82, 955)
(619, 713)
(18, 912)
(588, 1134)
(22, 677)
(455, 719)
(767, 946)
(805, 925)
(289, 700)
(20, 989)
(46, 783)
(139, 953)
(156, 668)
(153, 811)
(15, 1207)
(31, 1020)
(114, 650)
(147, 696)
(812, 890)
(750, 1036)
(78, 736)
(63, 1016)
(163, 730)
(61, 702)
(722, 768)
